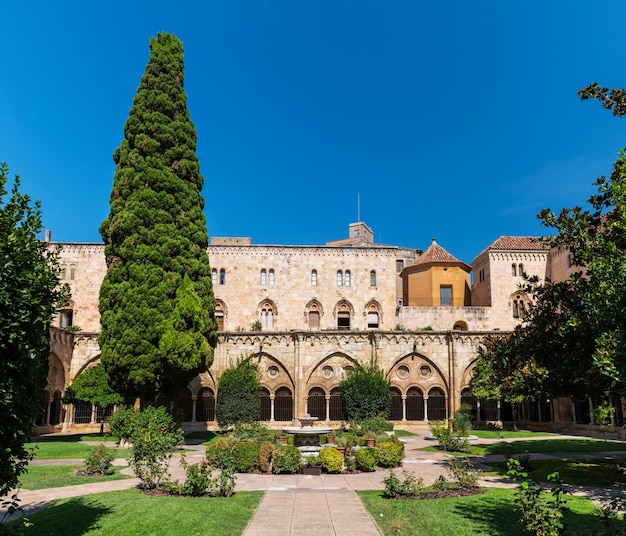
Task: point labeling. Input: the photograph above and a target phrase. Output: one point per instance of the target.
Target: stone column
(93, 414)
(498, 412)
(478, 417)
(327, 397)
(48, 404)
(306, 404)
(272, 399)
(404, 407)
(425, 408)
(194, 403)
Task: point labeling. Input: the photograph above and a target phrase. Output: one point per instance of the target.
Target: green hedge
(287, 459)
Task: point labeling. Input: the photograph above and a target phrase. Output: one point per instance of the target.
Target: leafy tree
(158, 278)
(92, 386)
(29, 296)
(239, 394)
(365, 393)
(573, 340)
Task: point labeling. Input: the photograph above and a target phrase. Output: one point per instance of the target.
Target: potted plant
(341, 441)
(313, 466)
(330, 439)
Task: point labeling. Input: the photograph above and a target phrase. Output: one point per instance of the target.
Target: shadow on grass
(551, 446)
(73, 517)
(502, 517)
(199, 436)
(72, 438)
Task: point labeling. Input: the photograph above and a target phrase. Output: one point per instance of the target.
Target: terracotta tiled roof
(515, 243)
(435, 254)
(518, 242)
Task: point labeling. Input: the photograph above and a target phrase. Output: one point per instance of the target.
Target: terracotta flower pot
(330, 439)
(370, 442)
(282, 439)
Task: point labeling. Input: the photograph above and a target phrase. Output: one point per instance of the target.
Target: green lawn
(403, 433)
(489, 514)
(59, 476)
(546, 446)
(506, 434)
(131, 513)
(599, 473)
(61, 449)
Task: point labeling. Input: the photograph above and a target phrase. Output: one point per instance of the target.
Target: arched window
(520, 269)
(205, 408)
(339, 278)
(72, 272)
(263, 276)
(283, 405)
(63, 273)
(396, 404)
(219, 316)
(222, 276)
(272, 277)
(316, 403)
(335, 406)
(267, 312)
(266, 405)
(460, 325)
(313, 278)
(373, 278)
(513, 270)
(346, 278)
(214, 276)
(436, 405)
(414, 405)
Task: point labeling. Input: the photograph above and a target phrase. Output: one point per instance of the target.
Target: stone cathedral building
(309, 313)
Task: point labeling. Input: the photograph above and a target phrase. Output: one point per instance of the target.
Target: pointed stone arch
(373, 313)
(267, 312)
(343, 314)
(221, 314)
(313, 313)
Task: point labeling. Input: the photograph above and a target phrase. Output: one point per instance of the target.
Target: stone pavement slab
(309, 513)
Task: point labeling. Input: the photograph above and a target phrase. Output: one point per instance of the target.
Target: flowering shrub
(153, 434)
(99, 461)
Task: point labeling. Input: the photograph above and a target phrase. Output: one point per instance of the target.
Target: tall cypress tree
(155, 236)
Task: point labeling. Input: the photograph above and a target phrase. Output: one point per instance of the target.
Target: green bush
(154, 435)
(462, 422)
(389, 454)
(202, 479)
(246, 457)
(463, 472)
(238, 394)
(255, 431)
(374, 425)
(99, 461)
(395, 487)
(287, 459)
(448, 439)
(332, 460)
(365, 393)
(366, 460)
(220, 454)
(265, 456)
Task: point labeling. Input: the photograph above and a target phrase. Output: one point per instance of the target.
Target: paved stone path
(304, 505)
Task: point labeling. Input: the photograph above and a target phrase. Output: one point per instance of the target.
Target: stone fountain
(307, 437)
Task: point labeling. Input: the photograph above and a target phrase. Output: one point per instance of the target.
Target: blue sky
(453, 119)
